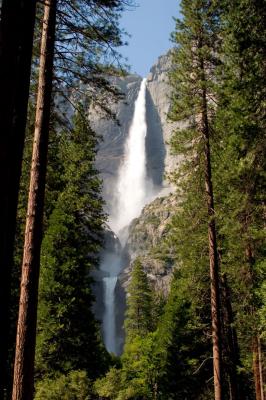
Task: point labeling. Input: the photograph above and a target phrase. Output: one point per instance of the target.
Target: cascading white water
(110, 265)
(132, 192)
(133, 188)
(109, 315)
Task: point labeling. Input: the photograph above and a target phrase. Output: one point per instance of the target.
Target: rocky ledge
(146, 238)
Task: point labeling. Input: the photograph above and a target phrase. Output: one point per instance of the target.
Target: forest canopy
(202, 336)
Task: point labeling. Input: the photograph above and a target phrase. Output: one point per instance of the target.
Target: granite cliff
(147, 232)
(147, 236)
(110, 154)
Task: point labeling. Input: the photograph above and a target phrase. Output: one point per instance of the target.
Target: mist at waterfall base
(133, 190)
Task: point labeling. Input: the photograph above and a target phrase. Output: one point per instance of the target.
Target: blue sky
(149, 25)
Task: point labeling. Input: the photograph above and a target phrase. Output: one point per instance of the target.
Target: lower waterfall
(109, 314)
(132, 191)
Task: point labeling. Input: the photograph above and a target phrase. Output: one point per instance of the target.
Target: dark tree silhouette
(16, 40)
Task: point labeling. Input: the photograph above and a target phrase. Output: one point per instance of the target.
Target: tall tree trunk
(261, 366)
(256, 345)
(213, 254)
(232, 350)
(26, 330)
(16, 41)
(257, 369)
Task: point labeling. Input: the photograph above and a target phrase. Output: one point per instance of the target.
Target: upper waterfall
(133, 189)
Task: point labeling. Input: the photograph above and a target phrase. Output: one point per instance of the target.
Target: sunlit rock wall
(159, 159)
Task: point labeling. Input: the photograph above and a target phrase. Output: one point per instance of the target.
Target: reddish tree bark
(16, 40)
(26, 330)
(256, 369)
(262, 369)
(256, 345)
(213, 254)
(230, 343)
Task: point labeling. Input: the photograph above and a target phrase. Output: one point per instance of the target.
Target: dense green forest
(206, 338)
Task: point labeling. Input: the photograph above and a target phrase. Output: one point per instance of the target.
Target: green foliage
(186, 362)
(86, 37)
(186, 325)
(73, 386)
(220, 54)
(68, 337)
(141, 361)
(184, 331)
(138, 377)
(167, 354)
(53, 186)
(227, 40)
(194, 58)
(240, 166)
(172, 362)
(109, 386)
(138, 316)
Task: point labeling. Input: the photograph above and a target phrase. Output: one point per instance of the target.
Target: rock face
(146, 236)
(111, 147)
(146, 233)
(113, 136)
(158, 99)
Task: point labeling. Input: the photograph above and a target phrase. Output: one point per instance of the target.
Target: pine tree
(185, 357)
(53, 188)
(137, 376)
(138, 315)
(26, 331)
(68, 337)
(73, 386)
(33, 233)
(184, 333)
(240, 167)
(231, 356)
(195, 61)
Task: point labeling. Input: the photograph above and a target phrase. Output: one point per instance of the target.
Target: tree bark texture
(262, 371)
(256, 343)
(26, 329)
(258, 368)
(16, 41)
(230, 343)
(213, 254)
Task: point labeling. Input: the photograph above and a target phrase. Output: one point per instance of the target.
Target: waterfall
(109, 315)
(132, 191)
